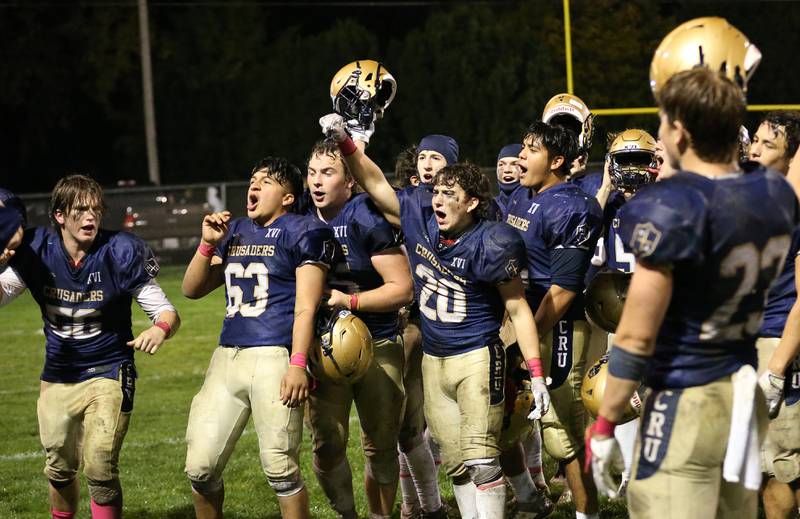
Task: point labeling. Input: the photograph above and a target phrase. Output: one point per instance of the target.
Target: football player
(571, 112)
(433, 153)
(273, 264)
(419, 454)
(466, 270)
(707, 254)
(774, 145)
(84, 278)
(560, 224)
(374, 282)
(507, 173)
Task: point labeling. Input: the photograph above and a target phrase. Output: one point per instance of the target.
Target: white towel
(742, 457)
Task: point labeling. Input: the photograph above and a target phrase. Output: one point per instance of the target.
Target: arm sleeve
(11, 285)
(152, 299)
(663, 226)
(136, 263)
(568, 267)
(502, 255)
(319, 246)
(576, 227)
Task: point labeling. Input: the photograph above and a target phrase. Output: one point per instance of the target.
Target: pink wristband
(347, 147)
(604, 426)
(164, 326)
(205, 249)
(535, 367)
(353, 302)
(299, 359)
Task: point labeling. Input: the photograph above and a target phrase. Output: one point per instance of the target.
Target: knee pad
(104, 492)
(461, 479)
(484, 471)
(56, 483)
(206, 487)
(287, 487)
(384, 469)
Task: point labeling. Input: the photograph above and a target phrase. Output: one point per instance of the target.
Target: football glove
(605, 457)
(541, 398)
(772, 385)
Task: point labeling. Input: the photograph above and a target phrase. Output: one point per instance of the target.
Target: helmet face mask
(361, 91)
(632, 160)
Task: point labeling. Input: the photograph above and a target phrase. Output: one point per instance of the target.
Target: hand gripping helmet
(594, 387)
(605, 298)
(632, 160)
(343, 350)
(519, 399)
(362, 90)
(571, 112)
(705, 42)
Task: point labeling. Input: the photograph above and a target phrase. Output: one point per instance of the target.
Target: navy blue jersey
(456, 287)
(589, 182)
(260, 278)
(782, 294)
(726, 240)
(611, 253)
(363, 232)
(86, 310)
(560, 217)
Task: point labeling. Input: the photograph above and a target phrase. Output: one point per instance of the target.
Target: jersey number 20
(444, 294)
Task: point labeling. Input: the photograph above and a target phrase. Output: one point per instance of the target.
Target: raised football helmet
(342, 351)
(571, 112)
(594, 387)
(632, 160)
(605, 299)
(361, 91)
(705, 42)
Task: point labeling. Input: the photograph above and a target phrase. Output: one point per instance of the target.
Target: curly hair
(790, 121)
(471, 179)
(405, 167)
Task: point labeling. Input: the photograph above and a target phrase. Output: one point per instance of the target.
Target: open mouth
(522, 170)
(441, 216)
(252, 202)
(427, 177)
(507, 179)
(90, 228)
(319, 196)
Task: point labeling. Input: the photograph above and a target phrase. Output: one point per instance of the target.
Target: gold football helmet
(594, 387)
(362, 90)
(605, 299)
(705, 42)
(515, 421)
(571, 112)
(632, 160)
(343, 350)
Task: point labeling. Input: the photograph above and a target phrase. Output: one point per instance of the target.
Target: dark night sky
(238, 80)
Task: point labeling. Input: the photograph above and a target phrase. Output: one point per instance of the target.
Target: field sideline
(151, 465)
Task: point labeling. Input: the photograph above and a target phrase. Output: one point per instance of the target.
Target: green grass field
(151, 465)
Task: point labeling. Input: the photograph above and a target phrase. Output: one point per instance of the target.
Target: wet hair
(405, 167)
(471, 179)
(557, 140)
(790, 121)
(711, 108)
(76, 193)
(283, 172)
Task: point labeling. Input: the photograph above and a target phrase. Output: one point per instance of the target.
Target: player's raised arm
(204, 272)
(368, 175)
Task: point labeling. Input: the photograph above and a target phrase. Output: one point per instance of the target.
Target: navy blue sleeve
(316, 245)
(502, 255)
(134, 260)
(376, 232)
(664, 224)
(575, 226)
